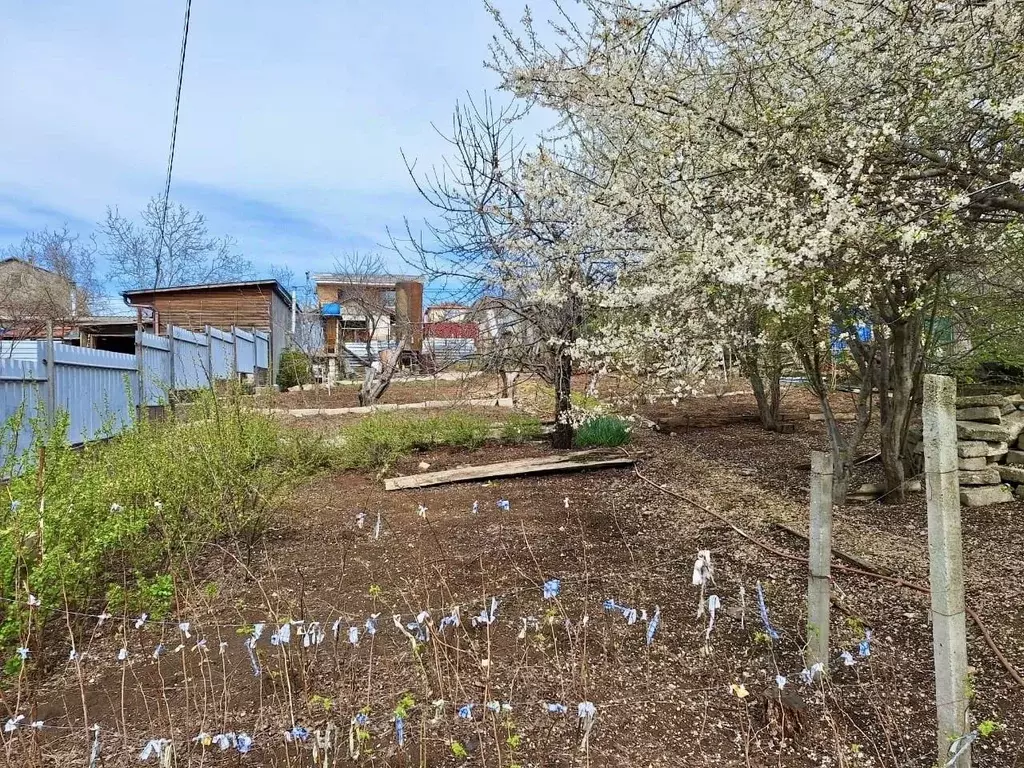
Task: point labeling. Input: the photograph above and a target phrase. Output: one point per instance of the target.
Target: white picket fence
(100, 391)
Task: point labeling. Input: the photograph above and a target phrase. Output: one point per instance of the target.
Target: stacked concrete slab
(990, 447)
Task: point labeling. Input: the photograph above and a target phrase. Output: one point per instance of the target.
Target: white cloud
(291, 122)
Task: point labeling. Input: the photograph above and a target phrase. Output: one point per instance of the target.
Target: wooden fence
(101, 392)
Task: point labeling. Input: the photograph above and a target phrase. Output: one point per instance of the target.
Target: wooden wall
(242, 306)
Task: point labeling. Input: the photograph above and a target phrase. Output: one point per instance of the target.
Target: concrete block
(967, 449)
(1010, 474)
(976, 430)
(1018, 493)
(996, 450)
(973, 401)
(987, 476)
(1015, 458)
(973, 463)
(990, 414)
(1014, 422)
(1008, 408)
(983, 495)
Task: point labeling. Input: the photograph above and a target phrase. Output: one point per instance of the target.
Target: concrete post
(945, 562)
(819, 588)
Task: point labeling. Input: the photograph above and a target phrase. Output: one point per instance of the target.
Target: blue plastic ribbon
(764, 614)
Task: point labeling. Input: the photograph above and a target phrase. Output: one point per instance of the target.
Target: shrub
(115, 520)
(519, 428)
(294, 369)
(608, 431)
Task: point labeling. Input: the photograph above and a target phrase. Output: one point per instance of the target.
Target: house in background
(447, 312)
(363, 314)
(262, 305)
(31, 296)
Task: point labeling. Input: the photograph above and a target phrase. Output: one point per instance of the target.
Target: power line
(174, 136)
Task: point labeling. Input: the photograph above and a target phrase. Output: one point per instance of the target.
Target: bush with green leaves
(607, 431)
(294, 369)
(114, 520)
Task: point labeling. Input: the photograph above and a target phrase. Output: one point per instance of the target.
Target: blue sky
(292, 117)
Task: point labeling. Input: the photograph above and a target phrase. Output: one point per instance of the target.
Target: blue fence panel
(96, 388)
(156, 367)
(191, 359)
(262, 349)
(21, 399)
(19, 350)
(245, 346)
(222, 353)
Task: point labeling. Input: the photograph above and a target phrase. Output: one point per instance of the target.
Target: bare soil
(606, 535)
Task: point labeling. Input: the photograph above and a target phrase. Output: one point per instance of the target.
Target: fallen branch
(852, 559)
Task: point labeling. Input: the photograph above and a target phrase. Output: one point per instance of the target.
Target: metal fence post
(209, 357)
(172, 375)
(51, 379)
(234, 354)
(140, 374)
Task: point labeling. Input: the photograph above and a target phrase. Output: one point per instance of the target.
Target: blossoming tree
(799, 167)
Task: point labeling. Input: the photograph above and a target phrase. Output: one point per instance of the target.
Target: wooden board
(566, 463)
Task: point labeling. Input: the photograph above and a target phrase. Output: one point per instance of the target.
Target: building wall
(30, 291)
(244, 307)
(255, 306)
(280, 331)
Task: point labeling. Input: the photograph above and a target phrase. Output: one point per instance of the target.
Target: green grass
(607, 431)
(382, 438)
(520, 428)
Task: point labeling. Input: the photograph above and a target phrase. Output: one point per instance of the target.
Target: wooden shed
(263, 305)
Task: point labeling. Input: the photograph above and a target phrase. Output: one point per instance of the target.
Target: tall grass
(608, 431)
(382, 438)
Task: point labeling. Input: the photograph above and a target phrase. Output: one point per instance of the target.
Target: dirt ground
(606, 535)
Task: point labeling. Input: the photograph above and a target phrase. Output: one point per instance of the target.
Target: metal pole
(51, 378)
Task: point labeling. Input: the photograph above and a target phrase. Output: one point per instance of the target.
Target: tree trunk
(759, 366)
(503, 377)
(842, 447)
(900, 358)
(375, 385)
(563, 433)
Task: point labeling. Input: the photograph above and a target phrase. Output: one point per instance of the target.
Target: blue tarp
(840, 345)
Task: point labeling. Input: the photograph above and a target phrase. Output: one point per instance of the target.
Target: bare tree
(526, 253)
(168, 245)
(48, 277)
(368, 312)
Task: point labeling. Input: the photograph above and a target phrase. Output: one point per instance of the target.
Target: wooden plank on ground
(568, 462)
(840, 416)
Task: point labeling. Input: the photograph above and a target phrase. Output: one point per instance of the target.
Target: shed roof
(279, 289)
